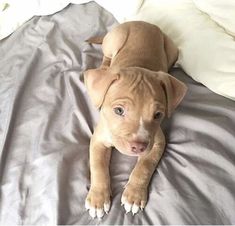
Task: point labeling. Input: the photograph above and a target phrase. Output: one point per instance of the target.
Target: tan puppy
(134, 93)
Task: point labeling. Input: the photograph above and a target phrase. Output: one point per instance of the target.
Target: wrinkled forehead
(138, 87)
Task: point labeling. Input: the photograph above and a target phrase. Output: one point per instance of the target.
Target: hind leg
(171, 51)
(114, 41)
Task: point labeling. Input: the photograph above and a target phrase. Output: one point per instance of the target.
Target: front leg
(135, 194)
(98, 198)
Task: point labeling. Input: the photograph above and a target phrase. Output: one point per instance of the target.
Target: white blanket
(203, 30)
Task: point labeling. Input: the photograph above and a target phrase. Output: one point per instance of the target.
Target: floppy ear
(97, 82)
(175, 91)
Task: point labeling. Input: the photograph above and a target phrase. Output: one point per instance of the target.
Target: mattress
(47, 119)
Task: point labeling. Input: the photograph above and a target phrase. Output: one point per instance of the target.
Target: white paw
(97, 212)
(134, 198)
(134, 208)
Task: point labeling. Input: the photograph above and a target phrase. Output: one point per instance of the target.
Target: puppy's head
(133, 103)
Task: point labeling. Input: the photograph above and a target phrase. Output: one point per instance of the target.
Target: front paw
(134, 198)
(98, 202)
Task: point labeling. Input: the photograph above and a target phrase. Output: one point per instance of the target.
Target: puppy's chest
(107, 138)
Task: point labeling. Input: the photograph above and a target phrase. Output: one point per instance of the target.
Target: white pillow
(121, 9)
(223, 12)
(207, 52)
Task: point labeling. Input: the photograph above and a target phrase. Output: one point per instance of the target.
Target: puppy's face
(133, 109)
(133, 103)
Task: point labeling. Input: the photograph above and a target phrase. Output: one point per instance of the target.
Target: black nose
(138, 147)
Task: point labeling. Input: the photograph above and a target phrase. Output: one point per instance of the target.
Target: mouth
(137, 154)
(130, 153)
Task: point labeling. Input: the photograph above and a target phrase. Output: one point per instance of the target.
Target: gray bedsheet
(46, 120)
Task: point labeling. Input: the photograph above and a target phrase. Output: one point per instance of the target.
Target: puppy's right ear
(97, 82)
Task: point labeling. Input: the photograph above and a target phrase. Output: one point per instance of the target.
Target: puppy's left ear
(97, 82)
(174, 89)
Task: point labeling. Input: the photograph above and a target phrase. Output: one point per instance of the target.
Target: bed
(46, 121)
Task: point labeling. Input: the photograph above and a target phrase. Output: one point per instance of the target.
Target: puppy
(134, 93)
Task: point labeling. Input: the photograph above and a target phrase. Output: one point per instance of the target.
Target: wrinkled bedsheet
(46, 120)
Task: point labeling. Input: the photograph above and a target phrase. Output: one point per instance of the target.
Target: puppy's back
(136, 43)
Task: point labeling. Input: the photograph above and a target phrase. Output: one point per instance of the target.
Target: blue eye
(119, 111)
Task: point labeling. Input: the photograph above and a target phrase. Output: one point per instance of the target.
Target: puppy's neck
(150, 64)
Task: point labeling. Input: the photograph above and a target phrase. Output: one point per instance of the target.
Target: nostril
(145, 145)
(133, 148)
